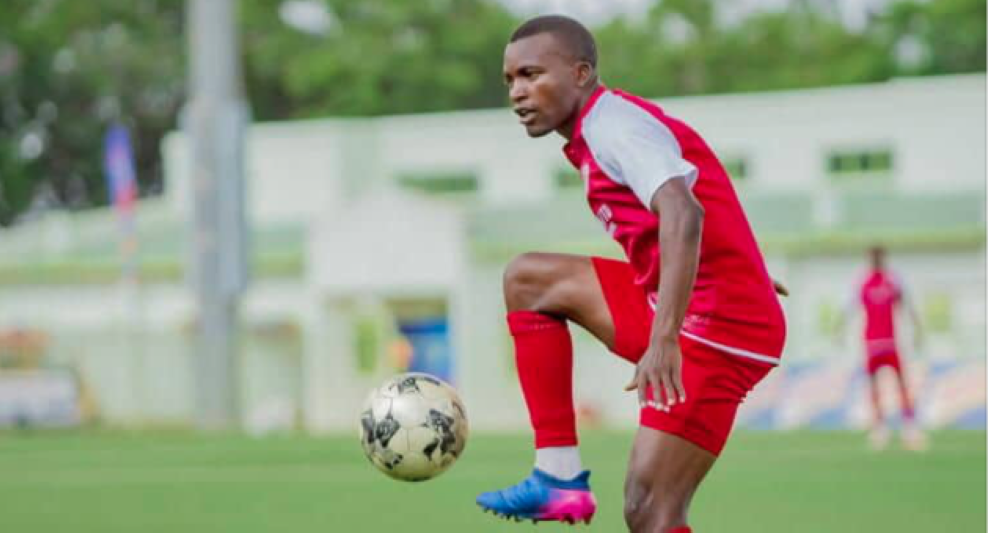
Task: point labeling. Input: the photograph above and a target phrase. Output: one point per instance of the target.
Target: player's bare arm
(680, 216)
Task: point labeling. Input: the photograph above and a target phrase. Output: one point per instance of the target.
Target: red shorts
(715, 382)
(889, 359)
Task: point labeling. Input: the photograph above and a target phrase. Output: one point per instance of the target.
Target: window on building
(567, 177)
(847, 163)
(827, 315)
(366, 344)
(937, 313)
(440, 182)
(738, 168)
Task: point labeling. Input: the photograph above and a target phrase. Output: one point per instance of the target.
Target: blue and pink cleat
(542, 497)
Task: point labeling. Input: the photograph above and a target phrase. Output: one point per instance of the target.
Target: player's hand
(659, 370)
(780, 287)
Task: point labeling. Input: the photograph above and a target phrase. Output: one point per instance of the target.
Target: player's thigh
(572, 290)
(630, 311)
(873, 372)
(885, 370)
(899, 374)
(664, 469)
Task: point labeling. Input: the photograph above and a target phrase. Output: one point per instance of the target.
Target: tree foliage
(391, 56)
(67, 70)
(70, 68)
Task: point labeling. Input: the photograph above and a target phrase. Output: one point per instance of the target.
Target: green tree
(69, 69)
(391, 56)
(943, 36)
(681, 49)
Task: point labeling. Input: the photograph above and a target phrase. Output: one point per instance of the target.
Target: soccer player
(693, 307)
(880, 295)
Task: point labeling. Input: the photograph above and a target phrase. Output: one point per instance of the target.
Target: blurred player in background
(879, 295)
(693, 307)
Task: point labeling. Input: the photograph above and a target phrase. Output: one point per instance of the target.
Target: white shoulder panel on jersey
(633, 147)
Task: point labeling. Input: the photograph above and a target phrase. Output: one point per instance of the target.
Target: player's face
(877, 258)
(542, 83)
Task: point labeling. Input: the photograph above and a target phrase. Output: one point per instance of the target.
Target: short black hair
(574, 36)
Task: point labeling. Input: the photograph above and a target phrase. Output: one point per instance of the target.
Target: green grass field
(182, 482)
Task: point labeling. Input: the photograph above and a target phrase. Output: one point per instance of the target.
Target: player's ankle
(560, 462)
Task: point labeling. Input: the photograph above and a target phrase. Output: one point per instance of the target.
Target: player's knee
(526, 281)
(649, 507)
(637, 502)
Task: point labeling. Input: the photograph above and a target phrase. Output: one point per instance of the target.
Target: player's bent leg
(878, 435)
(542, 292)
(664, 473)
(560, 285)
(905, 400)
(914, 438)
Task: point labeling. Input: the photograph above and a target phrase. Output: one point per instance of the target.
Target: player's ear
(584, 73)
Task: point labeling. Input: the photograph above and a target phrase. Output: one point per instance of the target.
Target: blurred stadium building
(379, 245)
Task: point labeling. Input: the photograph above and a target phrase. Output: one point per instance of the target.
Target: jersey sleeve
(635, 149)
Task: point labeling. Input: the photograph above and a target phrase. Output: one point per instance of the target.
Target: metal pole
(215, 119)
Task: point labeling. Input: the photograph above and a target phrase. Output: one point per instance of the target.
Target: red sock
(908, 413)
(906, 401)
(544, 355)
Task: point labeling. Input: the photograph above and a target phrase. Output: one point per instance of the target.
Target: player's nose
(517, 92)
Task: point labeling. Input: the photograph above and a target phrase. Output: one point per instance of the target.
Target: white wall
(934, 126)
(134, 350)
(292, 170)
(386, 242)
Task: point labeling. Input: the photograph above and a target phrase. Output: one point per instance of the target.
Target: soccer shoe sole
(566, 518)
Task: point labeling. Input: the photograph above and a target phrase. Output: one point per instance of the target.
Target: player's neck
(567, 129)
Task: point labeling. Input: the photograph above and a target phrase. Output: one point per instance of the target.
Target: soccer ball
(413, 427)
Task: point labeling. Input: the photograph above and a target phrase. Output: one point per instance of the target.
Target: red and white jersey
(626, 148)
(878, 294)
